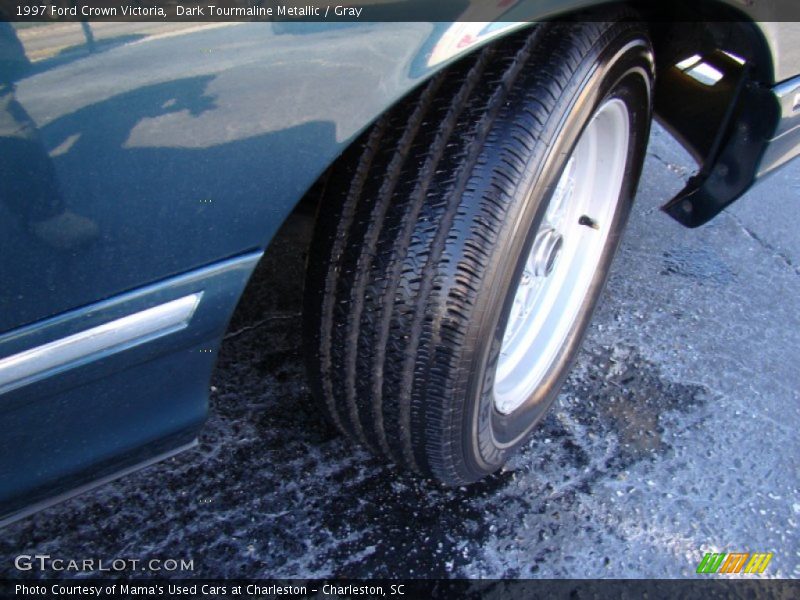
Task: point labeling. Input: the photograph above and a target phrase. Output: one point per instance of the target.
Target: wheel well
(678, 32)
(689, 27)
(713, 93)
(702, 69)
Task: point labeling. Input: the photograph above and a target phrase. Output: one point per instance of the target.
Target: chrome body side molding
(120, 334)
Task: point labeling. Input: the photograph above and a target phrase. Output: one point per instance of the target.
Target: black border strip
(511, 589)
(386, 10)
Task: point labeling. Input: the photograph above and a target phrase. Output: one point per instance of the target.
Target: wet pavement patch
(699, 264)
(629, 396)
(355, 516)
(610, 415)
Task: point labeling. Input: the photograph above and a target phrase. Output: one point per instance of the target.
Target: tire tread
(408, 222)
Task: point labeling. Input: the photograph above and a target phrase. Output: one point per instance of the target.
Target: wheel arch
(678, 31)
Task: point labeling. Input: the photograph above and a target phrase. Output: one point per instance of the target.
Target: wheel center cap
(546, 248)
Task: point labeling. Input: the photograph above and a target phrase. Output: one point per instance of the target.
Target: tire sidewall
(622, 69)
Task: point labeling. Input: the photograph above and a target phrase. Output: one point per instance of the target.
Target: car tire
(433, 224)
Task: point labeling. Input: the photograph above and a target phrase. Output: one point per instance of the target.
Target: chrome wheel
(564, 258)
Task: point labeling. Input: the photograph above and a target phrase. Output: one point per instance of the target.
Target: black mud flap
(726, 124)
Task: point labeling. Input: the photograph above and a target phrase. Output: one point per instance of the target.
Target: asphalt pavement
(675, 435)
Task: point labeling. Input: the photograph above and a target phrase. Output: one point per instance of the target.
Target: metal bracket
(726, 125)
